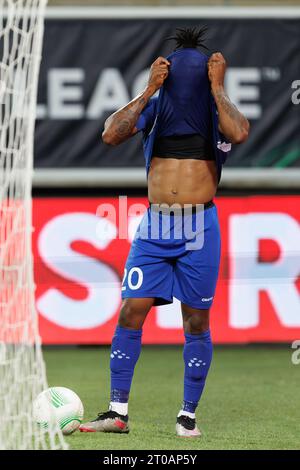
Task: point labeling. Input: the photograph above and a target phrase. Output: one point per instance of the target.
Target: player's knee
(196, 322)
(128, 316)
(132, 315)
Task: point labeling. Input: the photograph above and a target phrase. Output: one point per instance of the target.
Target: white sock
(121, 408)
(186, 413)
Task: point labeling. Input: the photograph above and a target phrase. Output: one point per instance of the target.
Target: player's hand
(216, 69)
(158, 73)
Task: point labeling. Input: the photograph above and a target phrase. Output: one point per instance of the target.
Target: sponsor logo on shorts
(206, 299)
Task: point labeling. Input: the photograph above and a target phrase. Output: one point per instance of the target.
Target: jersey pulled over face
(185, 107)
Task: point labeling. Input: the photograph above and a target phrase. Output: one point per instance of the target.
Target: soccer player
(188, 130)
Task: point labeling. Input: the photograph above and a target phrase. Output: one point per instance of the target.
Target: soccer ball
(58, 405)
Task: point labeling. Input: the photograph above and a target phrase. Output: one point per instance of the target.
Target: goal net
(22, 371)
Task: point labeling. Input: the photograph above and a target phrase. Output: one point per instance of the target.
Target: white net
(22, 371)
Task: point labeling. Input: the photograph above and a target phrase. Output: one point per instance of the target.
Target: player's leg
(195, 279)
(197, 354)
(125, 351)
(148, 278)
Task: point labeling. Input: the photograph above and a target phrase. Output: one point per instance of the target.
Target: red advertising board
(80, 248)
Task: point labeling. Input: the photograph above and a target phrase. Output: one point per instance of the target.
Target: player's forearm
(120, 125)
(232, 123)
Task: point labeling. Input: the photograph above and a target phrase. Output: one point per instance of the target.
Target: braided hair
(189, 37)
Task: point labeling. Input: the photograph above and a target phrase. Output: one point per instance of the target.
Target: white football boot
(107, 422)
(186, 427)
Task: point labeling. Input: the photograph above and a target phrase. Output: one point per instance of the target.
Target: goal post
(22, 369)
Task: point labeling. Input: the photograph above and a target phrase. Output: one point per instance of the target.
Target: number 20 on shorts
(134, 278)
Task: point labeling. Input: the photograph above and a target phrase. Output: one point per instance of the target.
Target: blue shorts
(174, 255)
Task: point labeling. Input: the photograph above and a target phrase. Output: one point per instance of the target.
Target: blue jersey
(184, 105)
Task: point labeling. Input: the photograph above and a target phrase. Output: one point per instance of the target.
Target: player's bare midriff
(187, 181)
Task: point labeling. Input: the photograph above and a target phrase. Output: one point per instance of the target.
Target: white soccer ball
(60, 405)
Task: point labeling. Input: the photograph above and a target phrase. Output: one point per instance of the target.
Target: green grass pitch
(251, 400)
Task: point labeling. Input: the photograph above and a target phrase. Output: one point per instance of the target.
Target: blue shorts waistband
(174, 210)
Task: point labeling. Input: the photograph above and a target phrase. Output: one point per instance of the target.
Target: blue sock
(125, 351)
(197, 354)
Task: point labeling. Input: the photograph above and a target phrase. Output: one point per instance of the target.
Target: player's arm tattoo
(223, 100)
(121, 124)
(232, 122)
(126, 119)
